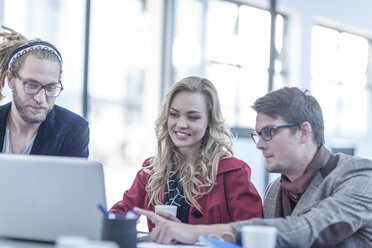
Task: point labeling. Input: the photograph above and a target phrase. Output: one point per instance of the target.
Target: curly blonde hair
(11, 40)
(198, 175)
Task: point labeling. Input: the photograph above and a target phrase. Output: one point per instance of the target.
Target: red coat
(234, 197)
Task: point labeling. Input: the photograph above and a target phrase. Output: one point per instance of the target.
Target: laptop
(44, 197)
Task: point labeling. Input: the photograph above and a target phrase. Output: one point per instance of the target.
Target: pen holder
(121, 230)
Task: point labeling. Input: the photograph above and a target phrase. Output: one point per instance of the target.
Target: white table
(9, 243)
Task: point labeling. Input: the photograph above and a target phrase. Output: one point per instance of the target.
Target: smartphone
(212, 242)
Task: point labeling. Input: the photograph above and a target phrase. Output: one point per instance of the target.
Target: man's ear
(306, 132)
(9, 76)
(3, 79)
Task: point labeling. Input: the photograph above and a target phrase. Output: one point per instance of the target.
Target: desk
(155, 245)
(9, 243)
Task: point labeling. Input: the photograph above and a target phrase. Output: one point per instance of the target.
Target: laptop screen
(44, 197)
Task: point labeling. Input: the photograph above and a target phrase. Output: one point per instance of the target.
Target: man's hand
(170, 232)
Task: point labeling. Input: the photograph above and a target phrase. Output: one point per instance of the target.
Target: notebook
(44, 197)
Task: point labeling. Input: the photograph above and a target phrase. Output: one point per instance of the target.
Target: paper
(156, 245)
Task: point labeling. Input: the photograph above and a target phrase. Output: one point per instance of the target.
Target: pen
(131, 215)
(108, 214)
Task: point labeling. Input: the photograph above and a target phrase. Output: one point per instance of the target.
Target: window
(124, 87)
(339, 69)
(53, 21)
(228, 43)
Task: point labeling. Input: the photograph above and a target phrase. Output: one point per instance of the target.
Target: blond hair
(198, 175)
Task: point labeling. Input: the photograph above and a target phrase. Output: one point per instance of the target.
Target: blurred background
(121, 56)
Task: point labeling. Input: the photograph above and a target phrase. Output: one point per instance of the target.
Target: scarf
(173, 195)
(290, 192)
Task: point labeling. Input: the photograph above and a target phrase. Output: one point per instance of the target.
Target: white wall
(353, 16)
(355, 13)
(1, 11)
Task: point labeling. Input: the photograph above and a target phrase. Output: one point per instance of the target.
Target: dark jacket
(63, 133)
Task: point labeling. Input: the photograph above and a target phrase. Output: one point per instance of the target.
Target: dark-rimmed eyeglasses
(32, 88)
(267, 133)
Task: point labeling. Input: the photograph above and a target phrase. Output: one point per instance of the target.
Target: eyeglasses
(267, 133)
(33, 88)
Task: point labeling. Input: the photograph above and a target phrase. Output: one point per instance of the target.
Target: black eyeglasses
(267, 133)
(32, 88)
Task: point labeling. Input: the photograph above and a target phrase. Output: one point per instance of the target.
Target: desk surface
(9, 243)
(155, 245)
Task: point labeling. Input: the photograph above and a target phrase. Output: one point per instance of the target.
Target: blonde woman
(194, 167)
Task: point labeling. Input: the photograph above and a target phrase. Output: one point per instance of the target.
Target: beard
(26, 116)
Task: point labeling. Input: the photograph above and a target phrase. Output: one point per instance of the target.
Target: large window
(339, 69)
(124, 87)
(61, 23)
(228, 43)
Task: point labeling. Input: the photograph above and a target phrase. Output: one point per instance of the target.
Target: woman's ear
(306, 132)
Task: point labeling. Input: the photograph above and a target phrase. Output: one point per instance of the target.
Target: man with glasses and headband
(32, 123)
(320, 200)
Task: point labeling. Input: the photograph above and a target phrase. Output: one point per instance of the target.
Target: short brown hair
(293, 106)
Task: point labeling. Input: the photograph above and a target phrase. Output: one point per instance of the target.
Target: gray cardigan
(334, 211)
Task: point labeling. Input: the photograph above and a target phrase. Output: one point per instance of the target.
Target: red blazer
(234, 197)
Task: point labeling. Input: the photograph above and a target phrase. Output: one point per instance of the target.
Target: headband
(33, 45)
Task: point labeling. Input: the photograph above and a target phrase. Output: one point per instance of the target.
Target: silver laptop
(44, 197)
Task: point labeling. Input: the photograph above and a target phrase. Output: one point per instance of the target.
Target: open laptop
(44, 197)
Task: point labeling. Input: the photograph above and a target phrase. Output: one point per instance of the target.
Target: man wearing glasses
(31, 123)
(320, 200)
